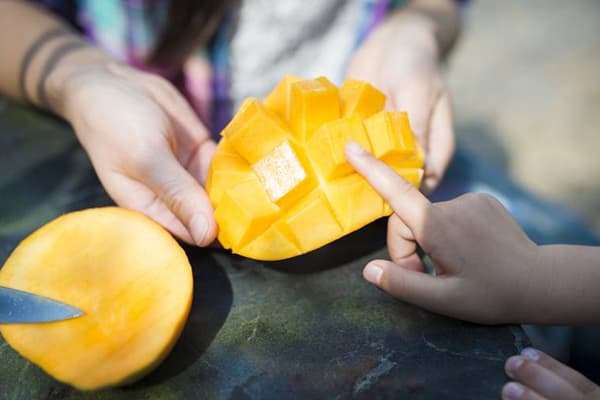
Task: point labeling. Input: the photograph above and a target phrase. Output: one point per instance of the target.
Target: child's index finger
(405, 199)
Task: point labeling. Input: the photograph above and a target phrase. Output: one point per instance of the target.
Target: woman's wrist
(414, 32)
(433, 25)
(66, 74)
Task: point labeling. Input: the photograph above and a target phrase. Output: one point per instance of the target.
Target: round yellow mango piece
(279, 180)
(127, 274)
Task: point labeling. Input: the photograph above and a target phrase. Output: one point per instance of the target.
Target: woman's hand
(401, 58)
(538, 376)
(147, 146)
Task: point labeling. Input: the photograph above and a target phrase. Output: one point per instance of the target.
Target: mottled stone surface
(310, 327)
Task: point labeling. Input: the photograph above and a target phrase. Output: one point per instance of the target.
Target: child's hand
(542, 377)
(401, 58)
(486, 265)
(146, 144)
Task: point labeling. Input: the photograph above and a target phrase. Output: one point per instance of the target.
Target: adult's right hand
(146, 144)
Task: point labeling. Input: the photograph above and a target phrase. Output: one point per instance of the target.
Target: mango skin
(279, 180)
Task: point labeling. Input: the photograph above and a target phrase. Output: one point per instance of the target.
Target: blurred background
(525, 79)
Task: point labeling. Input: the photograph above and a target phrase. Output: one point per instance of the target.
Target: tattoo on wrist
(51, 63)
(44, 39)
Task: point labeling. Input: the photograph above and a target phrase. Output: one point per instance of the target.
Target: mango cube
(274, 244)
(255, 131)
(245, 211)
(281, 173)
(313, 102)
(312, 222)
(225, 148)
(412, 175)
(390, 134)
(326, 146)
(226, 170)
(360, 98)
(399, 162)
(357, 203)
(278, 100)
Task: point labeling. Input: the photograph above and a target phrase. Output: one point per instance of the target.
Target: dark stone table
(306, 328)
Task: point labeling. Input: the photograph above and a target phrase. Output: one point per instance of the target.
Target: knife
(19, 307)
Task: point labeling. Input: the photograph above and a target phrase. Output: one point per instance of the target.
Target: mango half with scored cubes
(279, 180)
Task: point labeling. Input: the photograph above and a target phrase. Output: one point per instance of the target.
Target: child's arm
(488, 270)
(402, 57)
(572, 293)
(147, 146)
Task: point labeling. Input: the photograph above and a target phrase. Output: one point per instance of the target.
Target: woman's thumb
(184, 197)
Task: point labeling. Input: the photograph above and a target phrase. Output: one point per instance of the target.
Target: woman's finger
(441, 144)
(130, 193)
(417, 99)
(183, 195)
(199, 161)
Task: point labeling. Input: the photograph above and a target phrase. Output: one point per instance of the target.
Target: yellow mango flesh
(127, 274)
(228, 170)
(326, 146)
(292, 190)
(312, 222)
(390, 135)
(247, 210)
(312, 103)
(257, 131)
(357, 203)
(282, 173)
(278, 100)
(360, 98)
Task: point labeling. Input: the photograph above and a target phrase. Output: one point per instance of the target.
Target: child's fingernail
(354, 148)
(530, 353)
(373, 273)
(512, 390)
(199, 228)
(513, 364)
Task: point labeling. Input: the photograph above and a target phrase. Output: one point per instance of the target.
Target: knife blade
(19, 307)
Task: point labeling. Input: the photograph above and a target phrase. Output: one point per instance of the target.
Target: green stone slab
(309, 327)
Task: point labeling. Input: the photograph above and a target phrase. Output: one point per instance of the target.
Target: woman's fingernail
(199, 228)
(531, 354)
(512, 390)
(373, 273)
(354, 148)
(513, 364)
